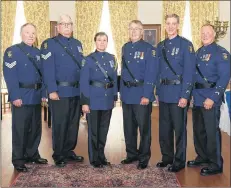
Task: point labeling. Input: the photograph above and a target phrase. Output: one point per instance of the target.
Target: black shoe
(129, 160)
(75, 158)
(162, 164)
(195, 163)
(60, 163)
(105, 162)
(175, 168)
(206, 171)
(141, 166)
(96, 164)
(21, 168)
(39, 161)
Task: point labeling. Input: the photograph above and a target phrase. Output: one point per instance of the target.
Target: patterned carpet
(81, 175)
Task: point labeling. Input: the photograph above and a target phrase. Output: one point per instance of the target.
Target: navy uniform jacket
(181, 56)
(142, 61)
(59, 66)
(98, 98)
(17, 69)
(214, 63)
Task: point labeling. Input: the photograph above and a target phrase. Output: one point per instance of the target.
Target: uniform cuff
(84, 100)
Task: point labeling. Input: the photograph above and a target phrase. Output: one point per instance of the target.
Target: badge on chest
(139, 55)
(175, 51)
(206, 57)
(112, 63)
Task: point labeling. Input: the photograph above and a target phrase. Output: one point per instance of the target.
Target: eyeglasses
(134, 29)
(66, 24)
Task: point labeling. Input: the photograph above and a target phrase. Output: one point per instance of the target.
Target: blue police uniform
(211, 79)
(24, 82)
(98, 87)
(177, 64)
(61, 62)
(138, 77)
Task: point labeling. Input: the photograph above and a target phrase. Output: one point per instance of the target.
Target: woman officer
(98, 88)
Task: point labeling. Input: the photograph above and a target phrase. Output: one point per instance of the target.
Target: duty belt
(170, 82)
(133, 84)
(71, 84)
(31, 86)
(101, 84)
(204, 85)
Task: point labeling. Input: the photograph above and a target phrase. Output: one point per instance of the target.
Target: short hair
(61, 17)
(100, 34)
(136, 22)
(210, 25)
(173, 16)
(26, 24)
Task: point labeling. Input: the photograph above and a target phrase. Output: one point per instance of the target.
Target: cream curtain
(88, 15)
(172, 7)
(200, 11)
(7, 24)
(8, 11)
(37, 12)
(121, 13)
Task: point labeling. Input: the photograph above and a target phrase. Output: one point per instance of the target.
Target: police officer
(138, 76)
(177, 63)
(211, 79)
(98, 87)
(61, 61)
(22, 74)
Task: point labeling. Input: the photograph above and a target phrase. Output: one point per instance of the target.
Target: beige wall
(149, 12)
(61, 7)
(224, 14)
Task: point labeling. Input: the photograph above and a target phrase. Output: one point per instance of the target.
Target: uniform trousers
(207, 135)
(65, 126)
(172, 118)
(98, 125)
(26, 133)
(137, 116)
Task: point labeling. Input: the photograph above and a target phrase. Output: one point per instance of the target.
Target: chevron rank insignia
(10, 65)
(38, 57)
(225, 56)
(9, 54)
(153, 53)
(45, 57)
(45, 45)
(83, 62)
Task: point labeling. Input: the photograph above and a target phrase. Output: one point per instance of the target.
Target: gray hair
(62, 16)
(26, 24)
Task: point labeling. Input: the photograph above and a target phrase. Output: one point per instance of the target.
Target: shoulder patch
(190, 49)
(154, 53)
(83, 62)
(45, 45)
(9, 54)
(225, 56)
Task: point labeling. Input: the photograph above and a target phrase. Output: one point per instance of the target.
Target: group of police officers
(70, 81)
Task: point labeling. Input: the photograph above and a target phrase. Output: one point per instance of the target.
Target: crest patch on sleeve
(190, 49)
(153, 53)
(225, 56)
(45, 45)
(9, 54)
(83, 62)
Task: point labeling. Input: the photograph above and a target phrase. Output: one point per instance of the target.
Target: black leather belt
(101, 84)
(30, 86)
(170, 82)
(133, 84)
(71, 84)
(204, 85)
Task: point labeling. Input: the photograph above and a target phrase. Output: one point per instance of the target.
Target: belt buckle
(128, 84)
(107, 85)
(163, 81)
(76, 84)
